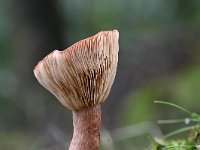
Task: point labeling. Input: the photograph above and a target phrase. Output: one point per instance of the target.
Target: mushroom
(80, 77)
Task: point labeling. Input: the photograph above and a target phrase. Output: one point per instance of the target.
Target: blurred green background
(159, 59)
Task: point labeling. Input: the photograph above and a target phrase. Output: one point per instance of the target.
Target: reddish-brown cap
(81, 76)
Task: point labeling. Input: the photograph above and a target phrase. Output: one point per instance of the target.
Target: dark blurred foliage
(158, 60)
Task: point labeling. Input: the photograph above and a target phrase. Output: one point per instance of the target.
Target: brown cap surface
(81, 76)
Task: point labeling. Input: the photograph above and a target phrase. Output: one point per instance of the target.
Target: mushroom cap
(81, 76)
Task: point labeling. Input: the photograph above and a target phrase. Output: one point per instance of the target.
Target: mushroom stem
(86, 129)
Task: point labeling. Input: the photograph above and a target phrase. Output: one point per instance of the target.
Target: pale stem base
(86, 124)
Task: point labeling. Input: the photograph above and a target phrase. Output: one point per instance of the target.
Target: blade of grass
(174, 105)
(179, 131)
(179, 146)
(171, 121)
